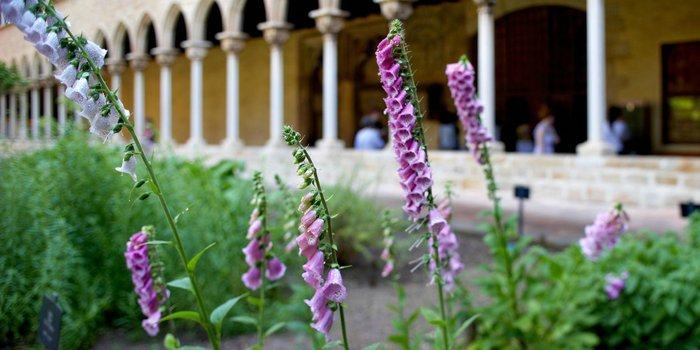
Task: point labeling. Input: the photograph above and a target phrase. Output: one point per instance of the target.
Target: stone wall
(637, 182)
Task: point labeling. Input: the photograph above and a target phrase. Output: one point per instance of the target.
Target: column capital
(196, 50)
(165, 56)
(138, 61)
(115, 65)
(396, 9)
(232, 41)
(485, 4)
(275, 32)
(329, 20)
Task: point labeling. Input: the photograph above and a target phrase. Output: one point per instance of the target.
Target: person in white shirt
(369, 137)
(617, 132)
(546, 136)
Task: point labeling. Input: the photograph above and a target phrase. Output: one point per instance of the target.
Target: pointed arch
(25, 68)
(173, 19)
(36, 69)
(234, 20)
(199, 23)
(121, 42)
(145, 33)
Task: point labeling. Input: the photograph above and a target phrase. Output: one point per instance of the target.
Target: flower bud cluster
(330, 292)
(460, 80)
(604, 233)
(401, 104)
(448, 255)
(77, 61)
(388, 255)
(258, 251)
(152, 293)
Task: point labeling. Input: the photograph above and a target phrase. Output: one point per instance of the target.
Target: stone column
(487, 68)
(34, 111)
(23, 111)
(276, 34)
(3, 116)
(116, 68)
(232, 43)
(138, 63)
(12, 125)
(597, 104)
(196, 50)
(48, 107)
(329, 21)
(396, 9)
(62, 111)
(165, 58)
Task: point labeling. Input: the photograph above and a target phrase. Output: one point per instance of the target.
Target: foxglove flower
(332, 291)
(409, 152)
(128, 167)
(615, 285)
(448, 256)
(460, 80)
(313, 270)
(604, 233)
(258, 253)
(138, 262)
(387, 254)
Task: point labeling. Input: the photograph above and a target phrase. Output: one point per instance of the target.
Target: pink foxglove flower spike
(152, 293)
(604, 233)
(315, 226)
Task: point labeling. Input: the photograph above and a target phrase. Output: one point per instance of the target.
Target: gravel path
(367, 315)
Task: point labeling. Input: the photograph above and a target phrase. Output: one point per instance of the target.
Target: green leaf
(154, 188)
(375, 346)
(333, 344)
(432, 317)
(217, 316)
(254, 301)
(275, 327)
(170, 342)
(463, 327)
(191, 347)
(185, 315)
(182, 283)
(159, 242)
(245, 319)
(193, 262)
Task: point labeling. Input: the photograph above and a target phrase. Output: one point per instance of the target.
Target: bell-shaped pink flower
(313, 270)
(253, 278)
(275, 269)
(334, 289)
(308, 218)
(254, 228)
(128, 167)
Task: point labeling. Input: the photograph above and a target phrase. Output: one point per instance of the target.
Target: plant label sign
(50, 322)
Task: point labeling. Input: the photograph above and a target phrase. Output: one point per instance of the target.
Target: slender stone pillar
(12, 127)
(48, 107)
(329, 21)
(165, 58)
(3, 116)
(139, 63)
(116, 68)
(276, 34)
(34, 112)
(196, 50)
(232, 43)
(62, 110)
(23, 111)
(597, 104)
(487, 69)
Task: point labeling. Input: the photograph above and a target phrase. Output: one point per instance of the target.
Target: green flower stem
(203, 313)
(500, 233)
(419, 134)
(334, 256)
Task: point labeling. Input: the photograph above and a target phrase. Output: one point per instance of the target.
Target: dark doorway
(541, 59)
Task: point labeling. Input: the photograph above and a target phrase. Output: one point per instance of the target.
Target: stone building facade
(214, 75)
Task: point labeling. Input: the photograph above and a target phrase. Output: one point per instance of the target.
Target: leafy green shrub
(66, 218)
(562, 303)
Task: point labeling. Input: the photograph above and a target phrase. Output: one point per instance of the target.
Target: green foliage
(563, 303)
(66, 218)
(9, 77)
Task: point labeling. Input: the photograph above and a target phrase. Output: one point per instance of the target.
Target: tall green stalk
(156, 187)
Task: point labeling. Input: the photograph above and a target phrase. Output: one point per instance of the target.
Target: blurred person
(545, 134)
(617, 132)
(369, 137)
